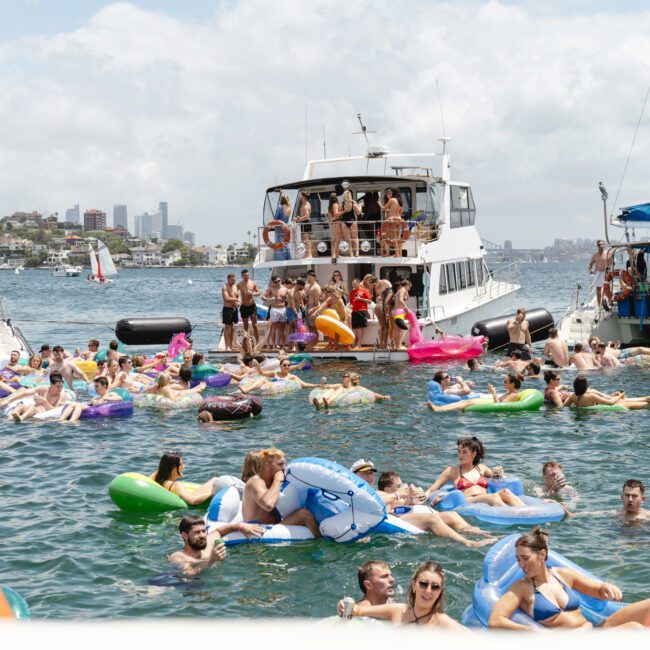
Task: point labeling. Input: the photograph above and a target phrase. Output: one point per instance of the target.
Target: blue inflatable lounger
(500, 571)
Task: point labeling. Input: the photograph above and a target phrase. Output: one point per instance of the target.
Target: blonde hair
(163, 379)
(347, 195)
(251, 465)
(266, 455)
(205, 416)
(354, 378)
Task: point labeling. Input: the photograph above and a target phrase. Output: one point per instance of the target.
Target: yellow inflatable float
(87, 367)
(332, 327)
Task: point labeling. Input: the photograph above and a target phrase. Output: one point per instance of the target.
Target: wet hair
(94, 343)
(632, 483)
(113, 345)
(251, 465)
(185, 374)
(475, 445)
(260, 357)
(196, 358)
(550, 375)
(187, 523)
(366, 570)
(516, 354)
(205, 416)
(578, 347)
(536, 540)
(102, 381)
(56, 376)
(123, 359)
(550, 464)
(552, 332)
(57, 348)
(301, 345)
(433, 567)
(535, 367)
(168, 462)
(580, 385)
(163, 379)
(439, 375)
(472, 364)
(521, 310)
(248, 360)
(386, 479)
(515, 379)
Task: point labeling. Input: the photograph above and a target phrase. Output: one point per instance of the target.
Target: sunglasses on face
(425, 584)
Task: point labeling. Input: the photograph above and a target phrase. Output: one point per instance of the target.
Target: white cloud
(138, 107)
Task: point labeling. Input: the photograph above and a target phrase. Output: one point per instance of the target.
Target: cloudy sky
(202, 103)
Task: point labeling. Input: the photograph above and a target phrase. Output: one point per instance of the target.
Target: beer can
(348, 607)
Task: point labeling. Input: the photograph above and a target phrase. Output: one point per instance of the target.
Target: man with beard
(201, 549)
(65, 367)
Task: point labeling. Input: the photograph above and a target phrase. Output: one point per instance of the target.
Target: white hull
(10, 337)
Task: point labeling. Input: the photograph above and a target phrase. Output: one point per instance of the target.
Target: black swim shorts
(229, 316)
(246, 311)
(359, 319)
(305, 227)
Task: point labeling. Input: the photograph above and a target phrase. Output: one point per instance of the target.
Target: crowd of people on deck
(296, 303)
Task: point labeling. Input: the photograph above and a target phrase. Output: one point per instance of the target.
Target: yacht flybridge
(437, 247)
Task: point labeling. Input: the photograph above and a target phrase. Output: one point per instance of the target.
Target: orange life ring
(276, 245)
(390, 226)
(609, 276)
(627, 292)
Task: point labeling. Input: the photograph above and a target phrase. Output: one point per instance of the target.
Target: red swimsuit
(464, 484)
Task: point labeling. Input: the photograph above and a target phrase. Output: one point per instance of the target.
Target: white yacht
(66, 271)
(440, 250)
(11, 338)
(625, 313)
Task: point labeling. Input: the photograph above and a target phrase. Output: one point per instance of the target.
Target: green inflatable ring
(16, 603)
(203, 371)
(529, 400)
(135, 492)
(616, 408)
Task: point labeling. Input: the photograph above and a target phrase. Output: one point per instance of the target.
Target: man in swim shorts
(556, 350)
(633, 498)
(519, 333)
(200, 550)
(394, 493)
(262, 494)
(65, 367)
(599, 261)
(229, 313)
(376, 583)
(248, 309)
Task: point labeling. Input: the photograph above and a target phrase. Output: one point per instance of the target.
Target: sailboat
(101, 264)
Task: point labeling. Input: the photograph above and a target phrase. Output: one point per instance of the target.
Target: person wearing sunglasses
(425, 602)
(281, 374)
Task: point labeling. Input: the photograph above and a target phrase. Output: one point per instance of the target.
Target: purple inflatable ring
(231, 407)
(213, 381)
(120, 409)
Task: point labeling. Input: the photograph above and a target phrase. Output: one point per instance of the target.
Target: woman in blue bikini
(552, 596)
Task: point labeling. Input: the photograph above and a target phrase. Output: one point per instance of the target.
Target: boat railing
(4, 310)
(500, 281)
(376, 238)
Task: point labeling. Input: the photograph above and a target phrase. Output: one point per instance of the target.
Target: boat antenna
(364, 130)
(629, 155)
(442, 118)
(604, 196)
(306, 152)
(324, 145)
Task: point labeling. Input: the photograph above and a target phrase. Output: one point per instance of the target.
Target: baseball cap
(362, 465)
(45, 347)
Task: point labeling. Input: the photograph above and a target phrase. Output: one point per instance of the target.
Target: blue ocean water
(72, 554)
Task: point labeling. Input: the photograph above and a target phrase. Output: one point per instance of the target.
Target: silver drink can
(348, 607)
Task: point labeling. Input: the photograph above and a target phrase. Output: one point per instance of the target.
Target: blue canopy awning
(636, 213)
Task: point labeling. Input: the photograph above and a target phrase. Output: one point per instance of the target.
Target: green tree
(174, 245)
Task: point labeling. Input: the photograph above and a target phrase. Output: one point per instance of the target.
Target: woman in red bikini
(555, 393)
(470, 476)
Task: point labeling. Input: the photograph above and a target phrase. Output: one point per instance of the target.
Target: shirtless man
(599, 261)
(519, 333)
(514, 364)
(633, 498)
(556, 350)
(583, 360)
(276, 294)
(201, 550)
(46, 398)
(134, 383)
(304, 219)
(376, 583)
(554, 480)
(229, 316)
(393, 493)
(312, 299)
(113, 353)
(262, 494)
(65, 367)
(91, 352)
(14, 357)
(248, 309)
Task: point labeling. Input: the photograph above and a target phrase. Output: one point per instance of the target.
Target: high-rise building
(94, 220)
(148, 226)
(189, 238)
(120, 218)
(72, 214)
(174, 232)
(162, 209)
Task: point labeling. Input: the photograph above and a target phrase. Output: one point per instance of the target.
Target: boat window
(470, 273)
(407, 197)
(451, 277)
(442, 287)
(427, 204)
(460, 275)
(463, 211)
(396, 273)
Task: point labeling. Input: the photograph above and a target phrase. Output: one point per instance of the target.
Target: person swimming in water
(583, 396)
(512, 384)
